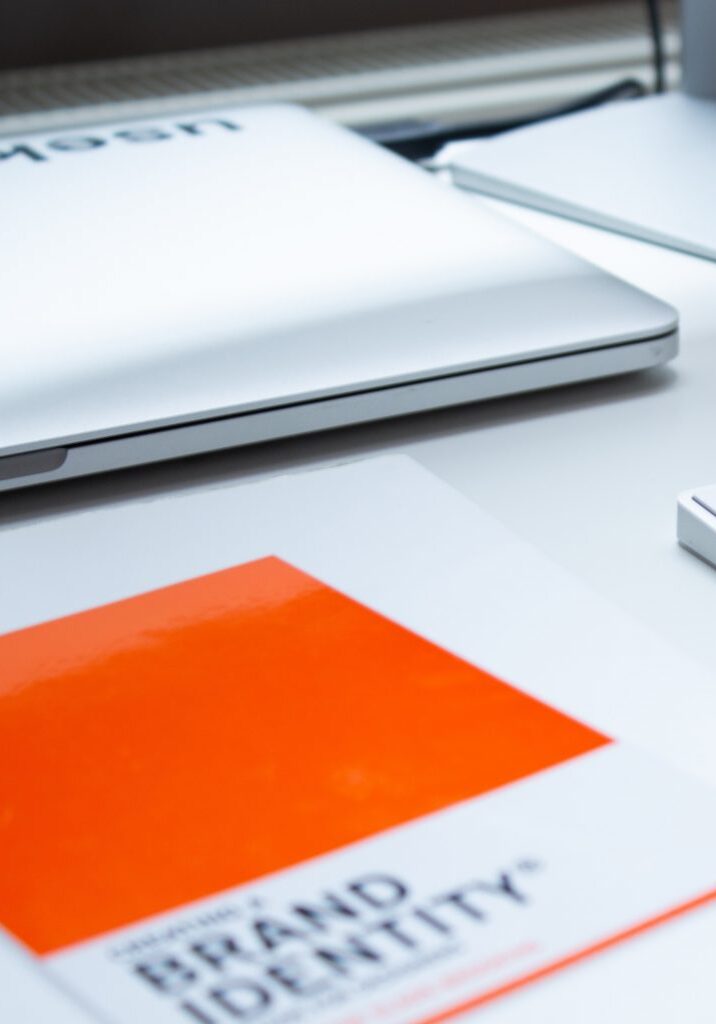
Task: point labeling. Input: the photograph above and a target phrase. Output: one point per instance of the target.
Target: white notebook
(337, 747)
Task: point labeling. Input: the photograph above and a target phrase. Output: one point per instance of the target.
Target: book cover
(249, 797)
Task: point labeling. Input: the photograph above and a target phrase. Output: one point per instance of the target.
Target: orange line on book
(544, 972)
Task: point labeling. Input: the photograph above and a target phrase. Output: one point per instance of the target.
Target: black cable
(420, 141)
(653, 9)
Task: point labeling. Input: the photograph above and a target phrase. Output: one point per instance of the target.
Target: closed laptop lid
(161, 272)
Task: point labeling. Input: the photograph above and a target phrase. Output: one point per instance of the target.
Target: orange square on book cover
(169, 746)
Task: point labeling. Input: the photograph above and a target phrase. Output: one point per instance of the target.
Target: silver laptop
(189, 284)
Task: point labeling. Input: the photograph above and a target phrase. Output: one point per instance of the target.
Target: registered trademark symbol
(529, 865)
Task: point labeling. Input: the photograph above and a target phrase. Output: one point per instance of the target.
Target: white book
(29, 995)
(335, 746)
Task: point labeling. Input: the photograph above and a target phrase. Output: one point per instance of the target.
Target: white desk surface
(588, 474)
